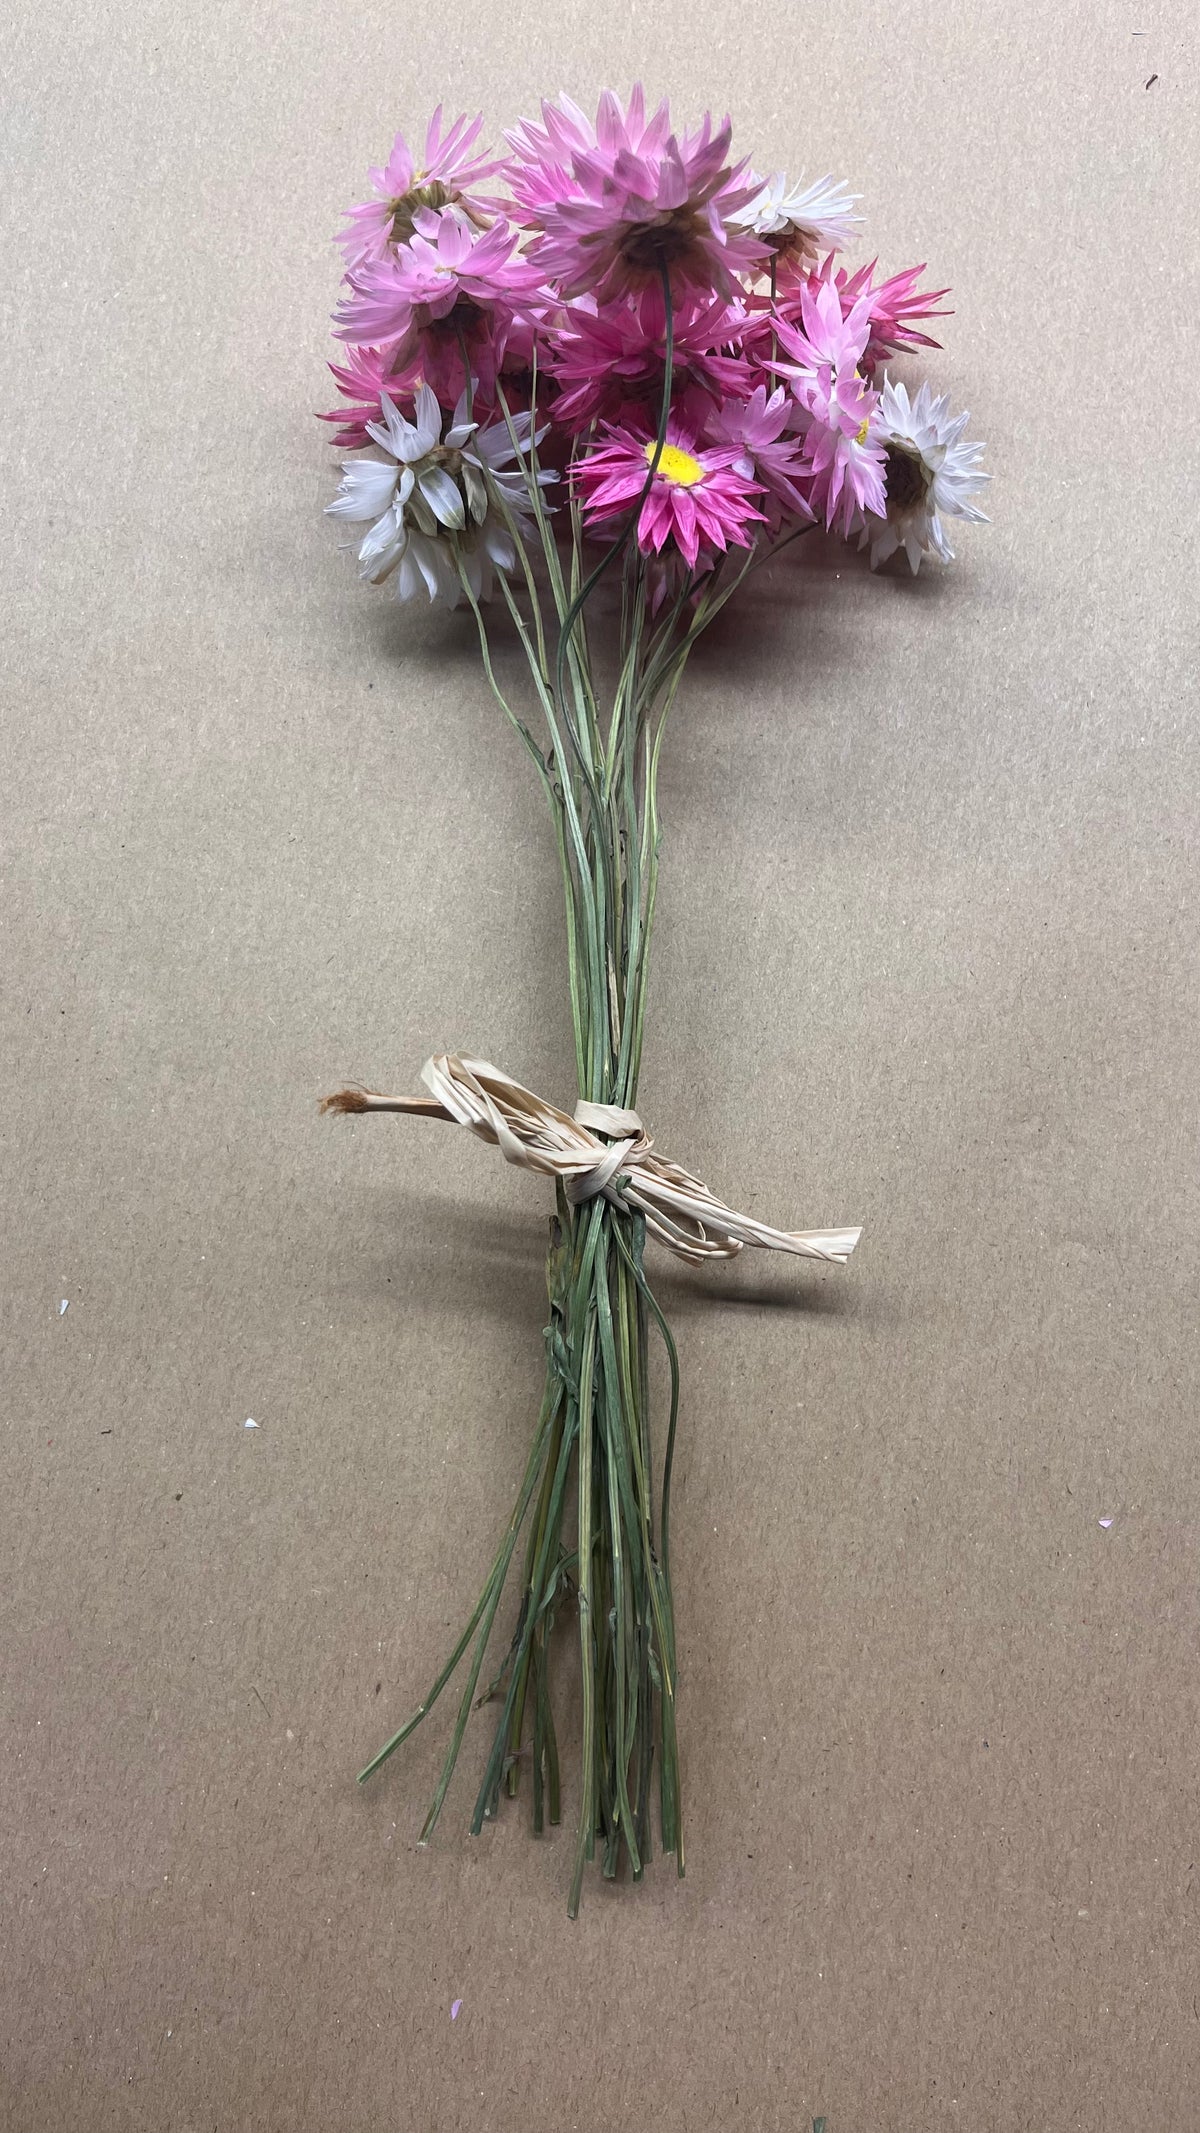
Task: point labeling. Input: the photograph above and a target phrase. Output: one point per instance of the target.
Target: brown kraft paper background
(926, 959)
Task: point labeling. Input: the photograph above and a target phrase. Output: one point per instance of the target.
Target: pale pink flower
(443, 178)
(446, 263)
(825, 337)
(835, 403)
(757, 427)
(697, 498)
(451, 286)
(845, 463)
(615, 204)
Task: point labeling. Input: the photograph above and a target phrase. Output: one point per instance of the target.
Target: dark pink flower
(892, 307)
(610, 358)
(614, 204)
(363, 378)
(697, 497)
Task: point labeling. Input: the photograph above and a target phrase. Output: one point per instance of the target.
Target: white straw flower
(439, 505)
(929, 472)
(804, 219)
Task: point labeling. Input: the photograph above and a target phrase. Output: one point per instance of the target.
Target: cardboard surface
(927, 952)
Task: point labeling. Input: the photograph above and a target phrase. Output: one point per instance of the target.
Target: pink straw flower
(608, 358)
(835, 402)
(616, 204)
(446, 263)
(892, 307)
(446, 172)
(696, 496)
(452, 286)
(756, 428)
(363, 378)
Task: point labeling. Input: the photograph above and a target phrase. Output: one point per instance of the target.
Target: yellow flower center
(863, 433)
(676, 466)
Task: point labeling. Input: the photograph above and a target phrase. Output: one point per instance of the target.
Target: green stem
(585, 1841)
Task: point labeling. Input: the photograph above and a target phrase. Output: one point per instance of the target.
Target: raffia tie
(601, 1150)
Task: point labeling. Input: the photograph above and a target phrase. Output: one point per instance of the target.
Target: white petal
(476, 489)
(368, 486)
(429, 420)
(421, 515)
(937, 539)
(407, 578)
(422, 554)
(442, 496)
(499, 545)
(495, 445)
(382, 548)
(394, 432)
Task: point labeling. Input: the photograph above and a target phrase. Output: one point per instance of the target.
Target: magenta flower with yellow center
(697, 497)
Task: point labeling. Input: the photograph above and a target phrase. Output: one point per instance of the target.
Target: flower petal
(429, 421)
(442, 496)
(368, 486)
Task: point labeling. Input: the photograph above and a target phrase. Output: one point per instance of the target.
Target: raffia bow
(602, 1149)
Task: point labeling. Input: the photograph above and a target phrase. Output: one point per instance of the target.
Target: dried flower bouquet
(611, 355)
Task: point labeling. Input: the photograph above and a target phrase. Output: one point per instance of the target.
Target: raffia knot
(627, 1140)
(601, 1150)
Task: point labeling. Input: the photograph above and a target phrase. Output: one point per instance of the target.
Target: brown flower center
(464, 317)
(799, 245)
(905, 478)
(433, 195)
(647, 246)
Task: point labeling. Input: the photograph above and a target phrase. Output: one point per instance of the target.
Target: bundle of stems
(597, 763)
